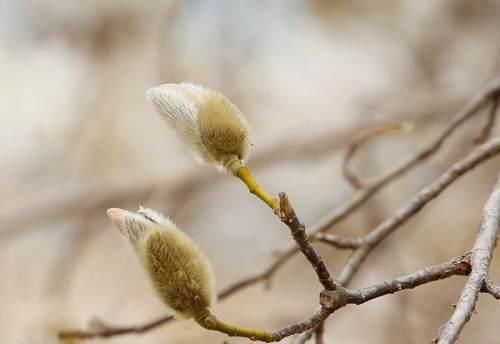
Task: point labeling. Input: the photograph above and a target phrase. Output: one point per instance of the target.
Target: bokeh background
(77, 136)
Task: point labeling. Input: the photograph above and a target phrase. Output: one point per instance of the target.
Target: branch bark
(338, 241)
(288, 216)
(106, 331)
(482, 252)
(490, 288)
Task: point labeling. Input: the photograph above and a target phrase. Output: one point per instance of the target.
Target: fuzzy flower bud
(206, 121)
(178, 270)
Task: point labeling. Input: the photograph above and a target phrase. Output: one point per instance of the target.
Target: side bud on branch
(213, 128)
(178, 270)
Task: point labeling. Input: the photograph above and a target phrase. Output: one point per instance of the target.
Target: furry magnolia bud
(205, 120)
(178, 270)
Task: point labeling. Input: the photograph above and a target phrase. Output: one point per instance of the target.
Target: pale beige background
(77, 136)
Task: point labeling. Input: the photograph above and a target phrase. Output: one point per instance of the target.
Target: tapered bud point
(213, 128)
(117, 216)
(135, 226)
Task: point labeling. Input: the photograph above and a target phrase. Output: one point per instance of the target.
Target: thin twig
(302, 326)
(338, 241)
(490, 288)
(112, 331)
(456, 266)
(482, 252)
(362, 137)
(485, 132)
(288, 216)
(317, 332)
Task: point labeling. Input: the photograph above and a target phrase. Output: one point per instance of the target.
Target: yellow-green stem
(246, 177)
(210, 322)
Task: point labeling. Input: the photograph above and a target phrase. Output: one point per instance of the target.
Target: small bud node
(333, 299)
(210, 321)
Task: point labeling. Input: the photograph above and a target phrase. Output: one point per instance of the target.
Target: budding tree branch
(335, 294)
